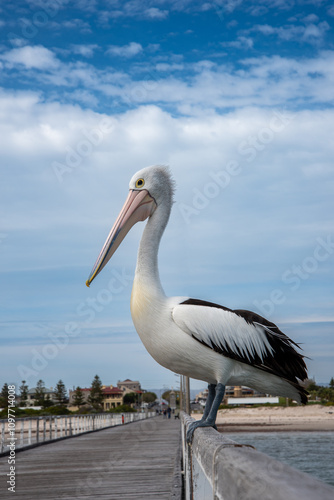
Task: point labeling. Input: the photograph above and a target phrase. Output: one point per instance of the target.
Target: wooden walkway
(129, 462)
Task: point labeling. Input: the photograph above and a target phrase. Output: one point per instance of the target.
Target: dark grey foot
(195, 425)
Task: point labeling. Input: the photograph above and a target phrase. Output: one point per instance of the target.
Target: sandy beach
(266, 419)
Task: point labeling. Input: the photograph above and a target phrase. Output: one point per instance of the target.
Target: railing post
(37, 431)
(22, 432)
(50, 428)
(29, 431)
(44, 428)
(2, 436)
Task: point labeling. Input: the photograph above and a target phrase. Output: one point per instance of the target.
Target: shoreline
(312, 418)
(235, 428)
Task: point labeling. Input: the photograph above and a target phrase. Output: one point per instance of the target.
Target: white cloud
(311, 18)
(258, 10)
(78, 24)
(129, 50)
(139, 9)
(31, 57)
(153, 47)
(230, 5)
(154, 13)
(83, 96)
(169, 67)
(242, 42)
(84, 50)
(265, 29)
(315, 32)
(308, 32)
(42, 133)
(261, 81)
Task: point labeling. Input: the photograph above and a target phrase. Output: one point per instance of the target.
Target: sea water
(310, 452)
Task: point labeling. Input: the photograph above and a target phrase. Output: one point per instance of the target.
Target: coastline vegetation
(319, 395)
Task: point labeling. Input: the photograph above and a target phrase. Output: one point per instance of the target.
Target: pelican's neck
(147, 272)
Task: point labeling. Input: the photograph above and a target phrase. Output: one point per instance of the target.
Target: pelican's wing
(241, 335)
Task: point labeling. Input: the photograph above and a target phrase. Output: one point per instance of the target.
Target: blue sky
(237, 98)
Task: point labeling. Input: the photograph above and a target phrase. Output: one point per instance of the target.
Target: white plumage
(199, 339)
(215, 326)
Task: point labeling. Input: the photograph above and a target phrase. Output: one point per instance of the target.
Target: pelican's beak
(138, 206)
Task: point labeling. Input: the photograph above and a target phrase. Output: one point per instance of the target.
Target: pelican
(192, 337)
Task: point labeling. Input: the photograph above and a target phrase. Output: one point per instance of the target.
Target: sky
(237, 98)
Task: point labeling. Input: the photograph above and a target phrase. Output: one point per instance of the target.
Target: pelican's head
(149, 188)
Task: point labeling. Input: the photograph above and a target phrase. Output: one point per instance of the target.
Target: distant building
(253, 400)
(48, 394)
(128, 386)
(112, 397)
(85, 393)
(231, 391)
(238, 391)
(202, 396)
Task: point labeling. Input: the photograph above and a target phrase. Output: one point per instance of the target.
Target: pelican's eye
(140, 183)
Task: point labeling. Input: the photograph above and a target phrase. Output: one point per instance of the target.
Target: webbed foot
(195, 425)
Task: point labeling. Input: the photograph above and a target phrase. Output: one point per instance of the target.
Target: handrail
(217, 467)
(31, 431)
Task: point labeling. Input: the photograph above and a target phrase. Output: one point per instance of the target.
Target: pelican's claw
(195, 425)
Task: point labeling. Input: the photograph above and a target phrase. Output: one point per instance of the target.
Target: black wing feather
(284, 362)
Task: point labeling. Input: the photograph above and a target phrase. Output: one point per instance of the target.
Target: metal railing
(216, 467)
(30, 431)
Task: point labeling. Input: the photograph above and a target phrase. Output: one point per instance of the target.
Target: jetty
(129, 462)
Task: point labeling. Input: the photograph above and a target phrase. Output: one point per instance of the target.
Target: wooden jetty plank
(134, 461)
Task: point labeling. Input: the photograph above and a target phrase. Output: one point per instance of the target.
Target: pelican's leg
(207, 408)
(209, 401)
(210, 412)
(211, 419)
